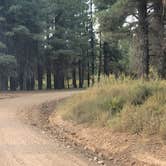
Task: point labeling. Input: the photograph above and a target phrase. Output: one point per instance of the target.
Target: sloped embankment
(121, 120)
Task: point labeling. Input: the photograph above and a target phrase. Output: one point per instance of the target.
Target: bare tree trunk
(48, 76)
(100, 60)
(40, 77)
(158, 33)
(106, 59)
(21, 81)
(32, 82)
(144, 38)
(81, 74)
(13, 83)
(28, 84)
(88, 75)
(92, 42)
(74, 79)
(3, 83)
(162, 59)
(68, 82)
(59, 79)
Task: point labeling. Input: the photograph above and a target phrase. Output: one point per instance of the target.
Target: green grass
(125, 105)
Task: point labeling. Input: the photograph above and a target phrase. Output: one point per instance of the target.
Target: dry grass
(126, 105)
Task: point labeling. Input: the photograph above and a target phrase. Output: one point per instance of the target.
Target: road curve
(22, 145)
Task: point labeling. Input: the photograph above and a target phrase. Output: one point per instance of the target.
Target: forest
(57, 44)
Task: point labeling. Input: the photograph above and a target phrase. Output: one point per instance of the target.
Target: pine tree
(7, 61)
(113, 17)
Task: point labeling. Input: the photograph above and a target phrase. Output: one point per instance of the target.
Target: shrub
(126, 105)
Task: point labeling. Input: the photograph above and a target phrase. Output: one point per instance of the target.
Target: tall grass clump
(126, 105)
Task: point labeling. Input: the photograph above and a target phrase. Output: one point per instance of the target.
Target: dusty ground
(99, 144)
(121, 149)
(25, 145)
(32, 134)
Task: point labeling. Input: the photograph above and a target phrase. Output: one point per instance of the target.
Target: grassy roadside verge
(124, 105)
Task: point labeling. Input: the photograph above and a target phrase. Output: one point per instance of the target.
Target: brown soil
(99, 144)
(120, 148)
(25, 145)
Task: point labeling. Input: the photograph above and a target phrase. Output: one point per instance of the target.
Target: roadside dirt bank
(99, 144)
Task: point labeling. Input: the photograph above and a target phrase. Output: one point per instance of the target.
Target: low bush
(126, 105)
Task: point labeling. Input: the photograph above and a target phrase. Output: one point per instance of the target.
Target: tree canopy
(68, 43)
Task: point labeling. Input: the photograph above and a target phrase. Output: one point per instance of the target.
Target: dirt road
(23, 145)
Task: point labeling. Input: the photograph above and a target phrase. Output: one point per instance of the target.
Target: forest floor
(32, 135)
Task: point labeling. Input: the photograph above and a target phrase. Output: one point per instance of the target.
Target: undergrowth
(125, 105)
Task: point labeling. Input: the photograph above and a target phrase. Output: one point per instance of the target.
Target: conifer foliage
(58, 44)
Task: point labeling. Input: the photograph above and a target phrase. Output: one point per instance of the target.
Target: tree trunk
(59, 79)
(49, 77)
(13, 84)
(106, 59)
(28, 84)
(40, 77)
(158, 32)
(32, 83)
(92, 42)
(68, 82)
(144, 38)
(21, 81)
(4, 83)
(74, 78)
(100, 60)
(54, 80)
(88, 75)
(81, 75)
